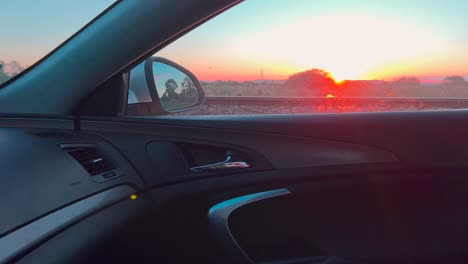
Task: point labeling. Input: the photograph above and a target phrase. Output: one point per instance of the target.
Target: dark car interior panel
(362, 188)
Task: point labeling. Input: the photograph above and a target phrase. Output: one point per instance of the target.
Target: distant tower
(261, 74)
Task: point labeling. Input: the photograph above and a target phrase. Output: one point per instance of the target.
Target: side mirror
(164, 87)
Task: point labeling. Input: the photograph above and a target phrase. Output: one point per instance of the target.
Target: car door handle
(227, 164)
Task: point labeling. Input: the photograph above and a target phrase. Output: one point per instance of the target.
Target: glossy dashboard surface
(39, 177)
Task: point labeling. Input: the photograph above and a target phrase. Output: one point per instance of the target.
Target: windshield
(32, 29)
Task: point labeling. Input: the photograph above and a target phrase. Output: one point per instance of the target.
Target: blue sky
(32, 28)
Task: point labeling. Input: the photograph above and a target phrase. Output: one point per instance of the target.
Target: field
(450, 87)
(228, 98)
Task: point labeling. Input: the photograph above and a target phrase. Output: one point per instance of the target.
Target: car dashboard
(52, 179)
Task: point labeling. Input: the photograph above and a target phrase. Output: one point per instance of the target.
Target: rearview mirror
(169, 87)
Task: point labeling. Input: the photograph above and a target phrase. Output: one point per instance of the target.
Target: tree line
(313, 82)
(9, 70)
(320, 83)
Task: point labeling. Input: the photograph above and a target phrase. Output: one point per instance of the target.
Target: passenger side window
(288, 57)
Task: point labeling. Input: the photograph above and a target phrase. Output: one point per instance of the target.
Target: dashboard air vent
(90, 158)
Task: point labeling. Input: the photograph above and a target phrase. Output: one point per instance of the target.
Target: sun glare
(348, 46)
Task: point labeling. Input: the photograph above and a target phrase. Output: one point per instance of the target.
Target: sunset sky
(352, 39)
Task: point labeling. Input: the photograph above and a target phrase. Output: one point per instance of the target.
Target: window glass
(307, 56)
(31, 29)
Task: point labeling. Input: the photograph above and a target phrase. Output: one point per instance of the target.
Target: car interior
(86, 180)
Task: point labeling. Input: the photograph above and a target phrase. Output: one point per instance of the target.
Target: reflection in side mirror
(172, 87)
(159, 86)
(176, 90)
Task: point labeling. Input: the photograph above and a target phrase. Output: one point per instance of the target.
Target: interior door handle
(229, 163)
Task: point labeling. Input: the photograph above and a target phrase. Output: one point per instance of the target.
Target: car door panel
(267, 150)
(400, 206)
(390, 216)
(331, 204)
(418, 138)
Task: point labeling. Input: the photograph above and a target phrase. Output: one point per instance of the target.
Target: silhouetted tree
(13, 68)
(454, 86)
(408, 81)
(454, 80)
(408, 87)
(9, 70)
(3, 76)
(315, 81)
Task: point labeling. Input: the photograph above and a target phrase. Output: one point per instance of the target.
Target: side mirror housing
(160, 86)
